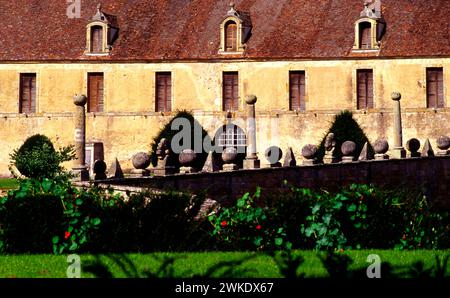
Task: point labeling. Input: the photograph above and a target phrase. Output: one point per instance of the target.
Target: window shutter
(27, 102)
(96, 39)
(297, 90)
(163, 92)
(231, 37)
(365, 89)
(95, 92)
(365, 35)
(435, 88)
(230, 91)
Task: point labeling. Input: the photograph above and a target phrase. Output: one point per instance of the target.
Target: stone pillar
(80, 170)
(398, 151)
(251, 160)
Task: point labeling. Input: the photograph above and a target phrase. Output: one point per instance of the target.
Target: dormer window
(369, 29)
(101, 32)
(230, 36)
(235, 30)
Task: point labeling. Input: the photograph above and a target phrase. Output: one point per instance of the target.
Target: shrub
(37, 158)
(345, 128)
(247, 225)
(43, 216)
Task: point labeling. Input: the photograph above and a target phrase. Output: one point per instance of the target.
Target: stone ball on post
(80, 100)
(348, 148)
(413, 145)
(229, 155)
(443, 142)
(309, 151)
(381, 146)
(396, 96)
(141, 160)
(251, 99)
(187, 157)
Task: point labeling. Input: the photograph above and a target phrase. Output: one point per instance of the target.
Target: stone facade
(129, 120)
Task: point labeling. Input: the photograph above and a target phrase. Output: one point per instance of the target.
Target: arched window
(230, 36)
(365, 35)
(96, 39)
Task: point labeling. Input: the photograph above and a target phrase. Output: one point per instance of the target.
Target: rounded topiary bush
(37, 157)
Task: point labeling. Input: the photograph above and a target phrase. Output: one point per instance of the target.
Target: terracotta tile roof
(189, 29)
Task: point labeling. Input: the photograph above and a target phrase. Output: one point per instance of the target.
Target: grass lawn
(211, 264)
(6, 183)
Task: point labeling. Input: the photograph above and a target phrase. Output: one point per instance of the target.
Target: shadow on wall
(345, 128)
(168, 133)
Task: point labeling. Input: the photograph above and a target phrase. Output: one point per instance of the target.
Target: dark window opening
(297, 91)
(96, 39)
(365, 35)
(27, 101)
(95, 92)
(163, 92)
(365, 88)
(435, 87)
(231, 37)
(230, 91)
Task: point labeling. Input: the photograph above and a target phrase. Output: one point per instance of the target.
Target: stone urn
(381, 146)
(141, 161)
(348, 150)
(443, 143)
(413, 146)
(187, 158)
(229, 157)
(309, 153)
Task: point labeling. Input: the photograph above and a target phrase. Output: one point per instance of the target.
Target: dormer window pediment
(235, 30)
(370, 27)
(101, 32)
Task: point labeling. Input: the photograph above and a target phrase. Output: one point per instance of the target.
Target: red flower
(404, 237)
(66, 235)
(224, 223)
(258, 227)
(361, 198)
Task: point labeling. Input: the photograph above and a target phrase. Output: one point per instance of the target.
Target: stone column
(398, 151)
(80, 170)
(251, 160)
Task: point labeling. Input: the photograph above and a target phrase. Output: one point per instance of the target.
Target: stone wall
(129, 121)
(432, 174)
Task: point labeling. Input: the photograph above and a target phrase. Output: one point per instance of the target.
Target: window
(231, 37)
(435, 87)
(365, 89)
(163, 92)
(95, 92)
(231, 136)
(230, 91)
(297, 91)
(96, 39)
(27, 101)
(365, 35)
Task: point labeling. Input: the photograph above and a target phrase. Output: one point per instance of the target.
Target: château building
(139, 62)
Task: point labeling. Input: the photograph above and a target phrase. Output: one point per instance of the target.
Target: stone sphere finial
(443, 142)
(413, 145)
(396, 96)
(187, 157)
(141, 160)
(348, 148)
(381, 146)
(251, 99)
(309, 151)
(79, 100)
(229, 155)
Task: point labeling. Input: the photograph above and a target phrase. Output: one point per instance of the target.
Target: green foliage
(37, 158)
(43, 213)
(363, 216)
(168, 133)
(345, 128)
(247, 225)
